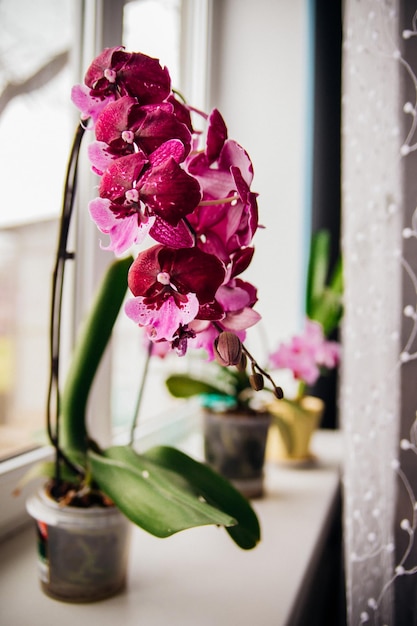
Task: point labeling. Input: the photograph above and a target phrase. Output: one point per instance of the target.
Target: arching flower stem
(277, 391)
(256, 368)
(141, 391)
(62, 256)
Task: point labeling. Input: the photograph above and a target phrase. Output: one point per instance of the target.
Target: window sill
(200, 576)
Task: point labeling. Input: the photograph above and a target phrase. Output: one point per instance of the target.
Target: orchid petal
(242, 320)
(99, 157)
(154, 126)
(162, 323)
(123, 233)
(90, 106)
(169, 149)
(113, 120)
(232, 298)
(178, 236)
(216, 136)
(169, 191)
(121, 175)
(233, 154)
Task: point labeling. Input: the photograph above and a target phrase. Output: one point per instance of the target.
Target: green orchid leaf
(336, 280)
(89, 349)
(183, 386)
(329, 311)
(324, 298)
(318, 268)
(153, 496)
(215, 490)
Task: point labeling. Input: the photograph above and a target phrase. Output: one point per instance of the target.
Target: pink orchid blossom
(307, 353)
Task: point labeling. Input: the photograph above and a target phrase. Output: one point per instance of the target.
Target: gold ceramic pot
(292, 427)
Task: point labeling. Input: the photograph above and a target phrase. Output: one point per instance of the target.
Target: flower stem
(140, 393)
(62, 255)
(276, 389)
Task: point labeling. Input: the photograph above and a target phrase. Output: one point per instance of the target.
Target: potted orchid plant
(308, 355)
(189, 192)
(235, 417)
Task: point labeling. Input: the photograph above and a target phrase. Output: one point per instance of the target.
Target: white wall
(259, 83)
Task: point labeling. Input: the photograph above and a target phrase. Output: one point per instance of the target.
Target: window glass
(36, 127)
(34, 140)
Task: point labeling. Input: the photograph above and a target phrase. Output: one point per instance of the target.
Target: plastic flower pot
(292, 429)
(234, 445)
(82, 552)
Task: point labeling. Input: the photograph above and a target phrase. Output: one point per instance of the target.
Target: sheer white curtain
(378, 398)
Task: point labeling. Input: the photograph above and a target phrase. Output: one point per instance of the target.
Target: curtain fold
(372, 225)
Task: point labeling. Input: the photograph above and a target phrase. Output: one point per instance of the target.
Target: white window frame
(99, 25)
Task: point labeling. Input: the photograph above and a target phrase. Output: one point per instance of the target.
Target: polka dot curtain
(378, 400)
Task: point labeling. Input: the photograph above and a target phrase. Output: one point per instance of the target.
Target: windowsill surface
(200, 576)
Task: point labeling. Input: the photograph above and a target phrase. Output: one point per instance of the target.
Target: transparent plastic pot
(82, 552)
(234, 445)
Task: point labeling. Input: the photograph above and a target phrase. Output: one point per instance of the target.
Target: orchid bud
(228, 349)
(278, 393)
(241, 366)
(256, 381)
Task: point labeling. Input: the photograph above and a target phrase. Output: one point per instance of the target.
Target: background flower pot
(234, 445)
(292, 427)
(82, 552)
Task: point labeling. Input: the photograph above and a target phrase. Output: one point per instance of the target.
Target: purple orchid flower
(125, 126)
(227, 217)
(115, 71)
(134, 186)
(167, 291)
(159, 183)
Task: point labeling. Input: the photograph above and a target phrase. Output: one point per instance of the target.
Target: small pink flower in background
(307, 353)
